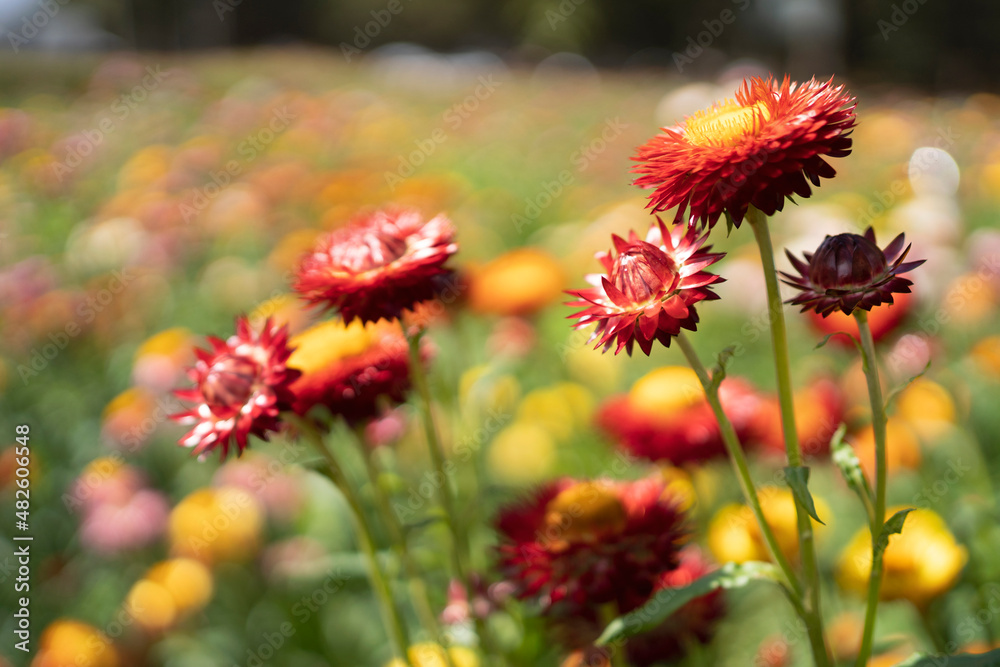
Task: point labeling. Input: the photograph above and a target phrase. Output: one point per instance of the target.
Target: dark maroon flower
(849, 271)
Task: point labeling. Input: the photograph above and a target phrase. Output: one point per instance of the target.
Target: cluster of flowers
(370, 272)
(581, 549)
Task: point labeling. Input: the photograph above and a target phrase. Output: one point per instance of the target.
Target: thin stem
(460, 547)
(418, 590)
(460, 552)
(870, 363)
(779, 344)
(739, 459)
(616, 651)
(390, 614)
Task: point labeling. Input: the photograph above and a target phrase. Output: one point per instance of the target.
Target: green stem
(779, 344)
(740, 465)
(460, 551)
(418, 590)
(616, 650)
(390, 614)
(870, 362)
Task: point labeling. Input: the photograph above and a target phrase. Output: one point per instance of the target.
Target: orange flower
(755, 150)
(520, 282)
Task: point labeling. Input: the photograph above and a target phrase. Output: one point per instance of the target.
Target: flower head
(241, 387)
(579, 544)
(849, 271)
(378, 265)
(352, 369)
(648, 290)
(734, 535)
(665, 416)
(920, 563)
(756, 149)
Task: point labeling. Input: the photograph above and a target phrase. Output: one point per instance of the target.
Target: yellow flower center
(585, 512)
(725, 124)
(327, 343)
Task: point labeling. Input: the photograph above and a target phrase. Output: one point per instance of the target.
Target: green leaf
(667, 601)
(990, 659)
(798, 480)
(730, 223)
(721, 362)
(893, 526)
(847, 461)
(898, 390)
(853, 338)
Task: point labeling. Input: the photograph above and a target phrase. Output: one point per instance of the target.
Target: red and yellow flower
(648, 290)
(353, 369)
(755, 150)
(665, 416)
(579, 544)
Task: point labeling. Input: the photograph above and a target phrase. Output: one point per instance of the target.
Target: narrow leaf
(989, 659)
(798, 480)
(826, 340)
(721, 362)
(730, 224)
(667, 601)
(893, 526)
(898, 390)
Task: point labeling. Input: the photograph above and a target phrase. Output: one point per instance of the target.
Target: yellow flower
(187, 581)
(666, 390)
(928, 407)
(151, 605)
(522, 453)
(733, 534)
(69, 643)
(558, 409)
(921, 563)
(429, 654)
(214, 525)
(680, 485)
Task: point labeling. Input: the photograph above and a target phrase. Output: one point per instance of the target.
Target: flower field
(298, 366)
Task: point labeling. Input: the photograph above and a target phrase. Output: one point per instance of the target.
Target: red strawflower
(579, 544)
(755, 150)
(241, 387)
(667, 418)
(355, 369)
(848, 272)
(649, 289)
(378, 265)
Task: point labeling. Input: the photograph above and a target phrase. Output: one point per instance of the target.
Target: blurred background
(164, 164)
(945, 46)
